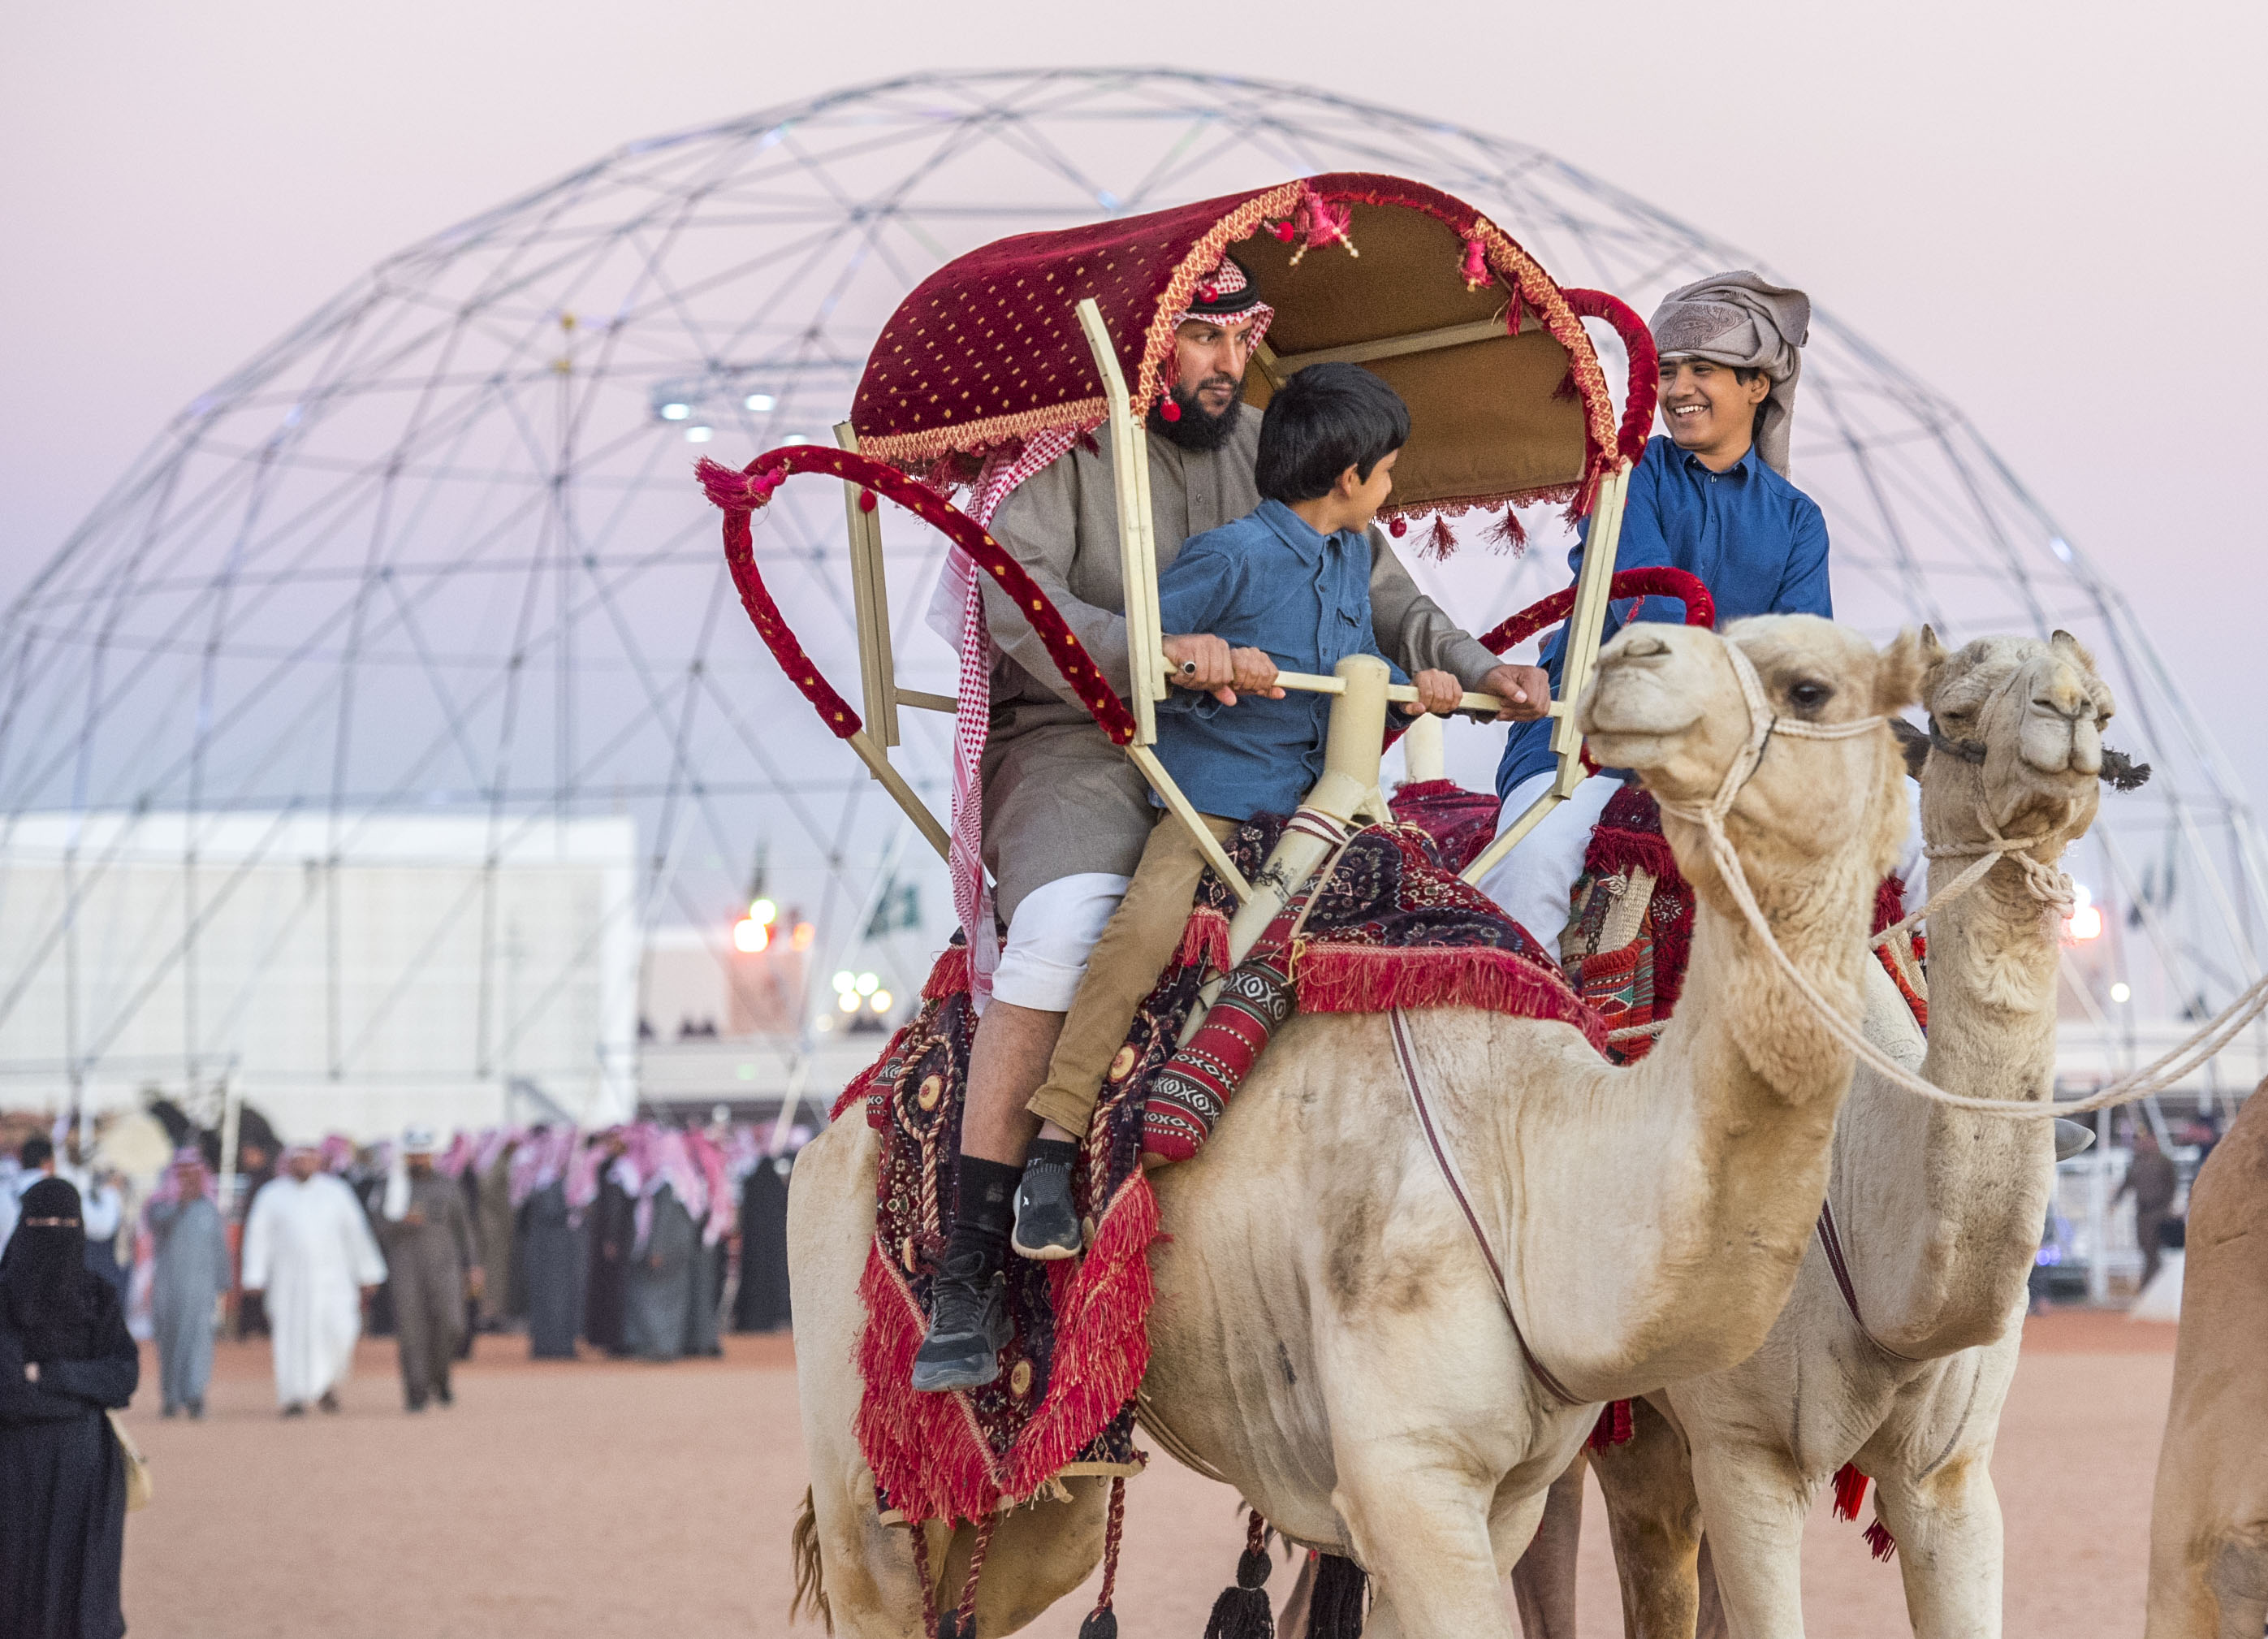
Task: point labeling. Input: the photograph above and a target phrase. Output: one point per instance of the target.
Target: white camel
(1938, 1214)
(1326, 1338)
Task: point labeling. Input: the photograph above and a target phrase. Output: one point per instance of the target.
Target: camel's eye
(1809, 695)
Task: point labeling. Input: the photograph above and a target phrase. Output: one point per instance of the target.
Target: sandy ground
(596, 1498)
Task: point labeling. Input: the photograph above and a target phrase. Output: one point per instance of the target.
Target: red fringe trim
(1615, 1427)
(1102, 1340)
(927, 1450)
(1365, 978)
(1889, 904)
(1849, 1491)
(1615, 852)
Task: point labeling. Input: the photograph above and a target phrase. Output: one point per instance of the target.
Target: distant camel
(2209, 1520)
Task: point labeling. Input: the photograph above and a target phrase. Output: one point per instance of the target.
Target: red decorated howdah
(1507, 401)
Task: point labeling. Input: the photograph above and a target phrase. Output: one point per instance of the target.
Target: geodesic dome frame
(433, 553)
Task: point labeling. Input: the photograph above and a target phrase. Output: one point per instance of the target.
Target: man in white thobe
(308, 1246)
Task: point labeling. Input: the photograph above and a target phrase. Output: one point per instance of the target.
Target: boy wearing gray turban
(1711, 499)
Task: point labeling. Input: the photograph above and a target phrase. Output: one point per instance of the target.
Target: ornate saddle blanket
(1631, 931)
(1391, 926)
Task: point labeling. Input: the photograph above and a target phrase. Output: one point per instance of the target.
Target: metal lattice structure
(437, 553)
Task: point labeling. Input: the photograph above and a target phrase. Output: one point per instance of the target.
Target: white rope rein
(2047, 884)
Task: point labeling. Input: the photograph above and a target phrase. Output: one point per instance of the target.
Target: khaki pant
(1143, 935)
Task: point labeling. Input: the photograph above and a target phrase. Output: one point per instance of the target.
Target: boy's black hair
(1323, 420)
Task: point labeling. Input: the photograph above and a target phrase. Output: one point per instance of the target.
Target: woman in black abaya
(64, 1358)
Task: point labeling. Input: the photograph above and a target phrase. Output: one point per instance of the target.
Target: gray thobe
(1059, 798)
(188, 1273)
(426, 1264)
(656, 1311)
(499, 1302)
(554, 1265)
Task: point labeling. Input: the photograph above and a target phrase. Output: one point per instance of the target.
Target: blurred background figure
(35, 1159)
(189, 1277)
(552, 1242)
(491, 1180)
(102, 1207)
(65, 1359)
(2150, 1180)
(307, 1245)
(434, 1260)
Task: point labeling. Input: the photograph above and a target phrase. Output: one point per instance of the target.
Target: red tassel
(1170, 411)
(1282, 231)
(1615, 1427)
(1879, 1542)
(1508, 532)
(1849, 1491)
(1440, 543)
(865, 500)
(1475, 269)
(1398, 527)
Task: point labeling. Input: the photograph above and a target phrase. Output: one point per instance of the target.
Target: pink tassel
(1475, 269)
(1879, 1542)
(1170, 411)
(1282, 231)
(865, 500)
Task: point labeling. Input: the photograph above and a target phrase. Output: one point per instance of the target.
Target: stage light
(675, 412)
(848, 1001)
(879, 1001)
(699, 435)
(2121, 991)
(867, 983)
(761, 402)
(801, 938)
(764, 910)
(846, 982)
(750, 935)
(2085, 921)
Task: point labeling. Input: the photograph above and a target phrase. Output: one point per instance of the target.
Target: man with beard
(1065, 814)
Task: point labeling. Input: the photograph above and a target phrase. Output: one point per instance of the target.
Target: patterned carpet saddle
(1387, 924)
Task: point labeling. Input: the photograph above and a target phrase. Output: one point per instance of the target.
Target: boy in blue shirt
(1285, 588)
(1711, 499)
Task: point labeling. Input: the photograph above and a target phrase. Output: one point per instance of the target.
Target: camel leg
(1544, 1582)
(1654, 1518)
(1948, 1530)
(1421, 1527)
(1754, 1504)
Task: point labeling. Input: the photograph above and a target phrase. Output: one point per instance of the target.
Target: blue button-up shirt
(1757, 542)
(1267, 581)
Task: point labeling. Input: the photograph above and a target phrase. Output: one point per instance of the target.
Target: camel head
(2017, 724)
(1667, 702)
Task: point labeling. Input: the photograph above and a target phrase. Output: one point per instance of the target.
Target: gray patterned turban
(1737, 319)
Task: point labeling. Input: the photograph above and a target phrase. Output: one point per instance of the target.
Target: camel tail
(810, 1573)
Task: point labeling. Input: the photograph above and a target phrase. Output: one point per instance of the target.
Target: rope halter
(2048, 884)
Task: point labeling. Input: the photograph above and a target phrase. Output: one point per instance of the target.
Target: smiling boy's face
(1707, 406)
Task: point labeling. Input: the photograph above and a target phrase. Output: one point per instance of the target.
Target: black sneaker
(1046, 1226)
(968, 1323)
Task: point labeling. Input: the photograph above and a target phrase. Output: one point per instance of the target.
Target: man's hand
(31, 1371)
(1206, 663)
(475, 1278)
(1526, 692)
(1438, 692)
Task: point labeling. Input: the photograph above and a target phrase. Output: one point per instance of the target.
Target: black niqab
(45, 1275)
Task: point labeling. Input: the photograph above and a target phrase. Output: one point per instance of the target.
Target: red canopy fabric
(989, 349)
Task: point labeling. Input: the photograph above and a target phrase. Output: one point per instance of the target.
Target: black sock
(1060, 1151)
(985, 1211)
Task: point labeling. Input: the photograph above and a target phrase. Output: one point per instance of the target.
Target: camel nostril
(1645, 648)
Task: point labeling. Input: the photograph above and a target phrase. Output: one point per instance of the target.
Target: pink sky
(2052, 213)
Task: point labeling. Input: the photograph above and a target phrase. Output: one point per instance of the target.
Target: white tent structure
(436, 556)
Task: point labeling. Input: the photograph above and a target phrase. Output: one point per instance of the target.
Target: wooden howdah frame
(1485, 359)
